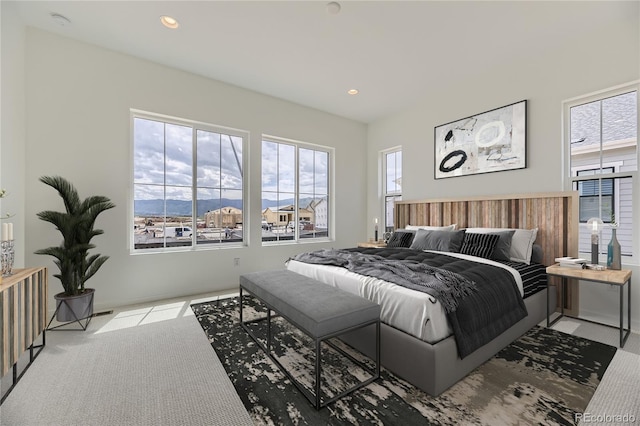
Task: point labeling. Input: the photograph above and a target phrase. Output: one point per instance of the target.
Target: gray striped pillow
(401, 238)
(480, 245)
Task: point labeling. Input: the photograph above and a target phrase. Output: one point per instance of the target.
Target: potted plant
(72, 256)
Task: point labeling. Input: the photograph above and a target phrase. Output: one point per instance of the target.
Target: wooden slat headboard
(555, 214)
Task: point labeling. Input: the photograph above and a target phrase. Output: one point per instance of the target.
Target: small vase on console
(614, 256)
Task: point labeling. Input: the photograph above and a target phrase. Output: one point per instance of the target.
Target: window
(295, 191)
(592, 200)
(188, 184)
(601, 131)
(392, 168)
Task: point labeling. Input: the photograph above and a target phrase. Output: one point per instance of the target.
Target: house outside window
(392, 183)
(593, 202)
(188, 184)
(296, 197)
(601, 130)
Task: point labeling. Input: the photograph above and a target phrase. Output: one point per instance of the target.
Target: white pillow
(521, 242)
(431, 228)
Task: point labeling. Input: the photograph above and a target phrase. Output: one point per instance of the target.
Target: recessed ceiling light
(353, 91)
(333, 8)
(61, 20)
(169, 22)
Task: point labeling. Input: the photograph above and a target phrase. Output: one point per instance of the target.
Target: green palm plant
(77, 228)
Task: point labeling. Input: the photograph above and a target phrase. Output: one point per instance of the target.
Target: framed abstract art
(492, 141)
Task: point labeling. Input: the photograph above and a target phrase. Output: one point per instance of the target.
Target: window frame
(569, 180)
(386, 195)
(296, 208)
(195, 125)
(615, 187)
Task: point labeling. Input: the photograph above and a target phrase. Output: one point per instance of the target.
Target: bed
(418, 340)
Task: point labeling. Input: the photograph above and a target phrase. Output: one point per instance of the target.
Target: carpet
(545, 377)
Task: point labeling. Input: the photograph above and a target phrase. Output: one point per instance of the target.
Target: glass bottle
(614, 258)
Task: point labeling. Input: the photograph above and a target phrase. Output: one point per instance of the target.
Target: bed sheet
(413, 312)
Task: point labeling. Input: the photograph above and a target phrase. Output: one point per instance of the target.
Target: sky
(219, 165)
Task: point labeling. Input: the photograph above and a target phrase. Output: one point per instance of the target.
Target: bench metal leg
(268, 330)
(314, 397)
(318, 373)
(375, 373)
(378, 349)
(241, 321)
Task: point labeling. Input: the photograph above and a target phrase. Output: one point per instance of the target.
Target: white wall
(593, 55)
(12, 124)
(78, 101)
(77, 124)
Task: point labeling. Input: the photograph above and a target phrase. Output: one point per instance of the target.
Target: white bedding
(413, 312)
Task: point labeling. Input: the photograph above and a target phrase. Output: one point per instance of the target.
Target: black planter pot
(74, 308)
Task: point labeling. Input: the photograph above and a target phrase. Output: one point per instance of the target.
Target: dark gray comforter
(486, 300)
(448, 287)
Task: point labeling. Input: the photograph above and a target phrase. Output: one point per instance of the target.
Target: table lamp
(595, 225)
(375, 232)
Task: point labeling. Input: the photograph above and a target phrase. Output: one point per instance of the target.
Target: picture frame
(492, 141)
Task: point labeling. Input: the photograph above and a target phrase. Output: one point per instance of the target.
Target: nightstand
(373, 244)
(618, 278)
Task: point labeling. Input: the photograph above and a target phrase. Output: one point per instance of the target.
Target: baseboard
(102, 307)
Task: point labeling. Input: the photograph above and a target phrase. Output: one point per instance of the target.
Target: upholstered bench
(317, 309)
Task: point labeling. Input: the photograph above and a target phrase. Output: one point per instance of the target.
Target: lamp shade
(595, 224)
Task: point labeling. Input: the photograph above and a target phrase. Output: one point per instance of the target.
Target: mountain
(183, 208)
(180, 207)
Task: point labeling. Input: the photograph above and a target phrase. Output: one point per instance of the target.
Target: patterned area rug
(545, 377)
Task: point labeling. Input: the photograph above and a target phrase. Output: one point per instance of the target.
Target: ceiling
(395, 53)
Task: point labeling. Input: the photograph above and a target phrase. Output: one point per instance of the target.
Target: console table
(620, 278)
(23, 314)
